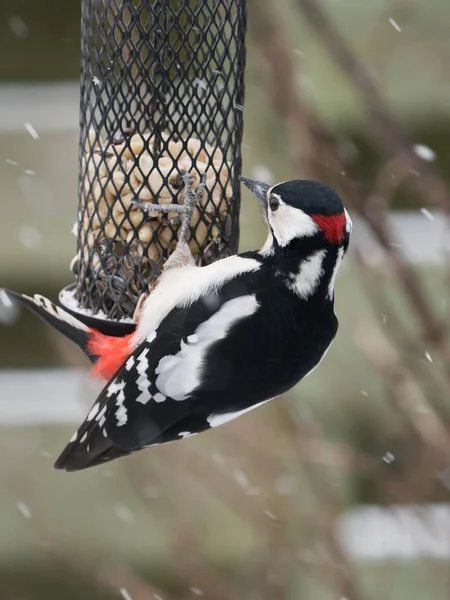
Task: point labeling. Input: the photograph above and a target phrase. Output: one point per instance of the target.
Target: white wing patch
(121, 412)
(158, 397)
(305, 283)
(130, 363)
(93, 412)
(183, 286)
(180, 374)
(101, 414)
(142, 381)
(221, 419)
(115, 388)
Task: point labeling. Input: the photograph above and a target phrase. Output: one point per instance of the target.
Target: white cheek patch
(180, 374)
(289, 223)
(305, 282)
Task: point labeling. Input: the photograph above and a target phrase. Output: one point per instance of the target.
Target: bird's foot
(182, 255)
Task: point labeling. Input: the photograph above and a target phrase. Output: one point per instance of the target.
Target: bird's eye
(274, 203)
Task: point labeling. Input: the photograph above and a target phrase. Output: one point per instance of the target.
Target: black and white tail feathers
(57, 317)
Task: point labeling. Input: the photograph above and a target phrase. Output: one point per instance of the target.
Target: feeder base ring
(68, 302)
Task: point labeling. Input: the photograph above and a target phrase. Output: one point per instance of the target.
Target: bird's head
(300, 209)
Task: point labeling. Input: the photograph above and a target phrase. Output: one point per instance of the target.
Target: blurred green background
(251, 510)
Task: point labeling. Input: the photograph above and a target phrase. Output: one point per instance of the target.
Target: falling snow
(241, 478)
(218, 459)
(24, 509)
(364, 393)
(427, 214)
(424, 152)
(428, 356)
(388, 458)
(196, 591)
(108, 473)
(13, 163)
(395, 25)
(152, 491)
(18, 26)
(29, 237)
(124, 513)
(286, 485)
(125, 594)
(262, 173)
(31, 130)
(270, 514)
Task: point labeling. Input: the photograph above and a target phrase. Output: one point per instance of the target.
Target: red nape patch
(111, 351)
(332, 227)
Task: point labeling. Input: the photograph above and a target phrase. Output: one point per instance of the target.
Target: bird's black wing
(149, 399)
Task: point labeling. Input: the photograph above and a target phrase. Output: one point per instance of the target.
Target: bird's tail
(60, 319)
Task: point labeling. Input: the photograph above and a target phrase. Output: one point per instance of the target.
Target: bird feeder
(161, 96)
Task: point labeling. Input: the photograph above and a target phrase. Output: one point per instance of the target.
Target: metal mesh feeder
(161, 95)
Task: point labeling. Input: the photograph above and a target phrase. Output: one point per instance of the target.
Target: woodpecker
(211, 343)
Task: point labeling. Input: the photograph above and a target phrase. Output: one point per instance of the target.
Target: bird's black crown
(312, 197)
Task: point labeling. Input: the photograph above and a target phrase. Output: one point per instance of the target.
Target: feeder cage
(161, 95)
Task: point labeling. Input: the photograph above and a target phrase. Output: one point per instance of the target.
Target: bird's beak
(260, 190)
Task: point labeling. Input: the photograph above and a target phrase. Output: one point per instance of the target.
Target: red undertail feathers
(112, 352)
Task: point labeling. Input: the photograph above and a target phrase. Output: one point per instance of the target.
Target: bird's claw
(186, 209)
(182, 255)
(162, 208)
(190, 202)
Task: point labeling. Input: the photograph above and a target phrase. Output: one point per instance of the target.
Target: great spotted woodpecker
(213, 342)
